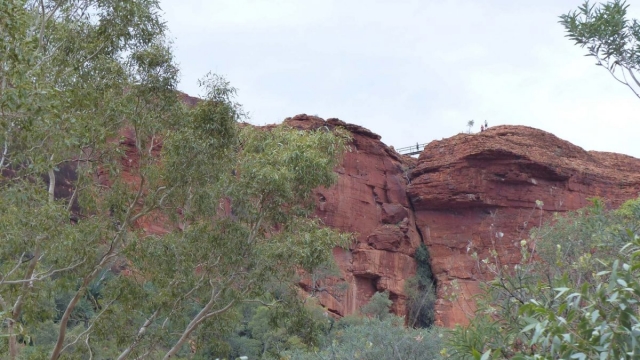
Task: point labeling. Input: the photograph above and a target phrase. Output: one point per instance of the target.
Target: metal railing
(411, 150)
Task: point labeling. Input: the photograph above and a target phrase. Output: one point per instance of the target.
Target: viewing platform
(411, 150)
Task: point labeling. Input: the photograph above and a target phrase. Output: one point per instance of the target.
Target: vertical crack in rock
(433, 279)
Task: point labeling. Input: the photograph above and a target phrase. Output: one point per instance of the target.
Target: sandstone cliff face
(477, 193)
(369, 200)
(465, 194)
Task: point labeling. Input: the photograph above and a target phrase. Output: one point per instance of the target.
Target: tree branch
(96, 270)
(610, 70)
(202, 315)
(2, 280)
(141, 332)
(89, 347)
(52, 185)
(273, 303)
(633, 76)
(44, 275)
(86, 332)
(4, 152)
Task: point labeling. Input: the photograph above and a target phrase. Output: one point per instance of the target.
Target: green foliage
(421, 291)
(378, 307)
(278, 332)
(578, 299)
(269, 331)
(585, 324)
(94, 147)
(609, 36)
(377, 339)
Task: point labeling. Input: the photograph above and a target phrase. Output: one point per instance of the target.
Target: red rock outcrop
(369, 200)
(477, 193)
(471, 193)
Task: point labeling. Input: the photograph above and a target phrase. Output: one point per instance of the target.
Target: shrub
(577, 300)
(421, 291)
(378, 306)
(378, 339)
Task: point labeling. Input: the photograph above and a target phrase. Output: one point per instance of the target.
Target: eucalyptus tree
(609, 36)
(94, 145)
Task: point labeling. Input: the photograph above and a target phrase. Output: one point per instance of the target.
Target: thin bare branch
(612, 72)
(186, 295)
(43, 22)
(3, 304)
(627, 83)
(89, 328)
(273, 303)
(110, 254)
(44, 275)
(202, 315)
(633, 76)
(143, 355)
(89, 347)
(17, 307)
(13, 269)
(52, 185)
(127, 218)
(4, 153)
(141, 332)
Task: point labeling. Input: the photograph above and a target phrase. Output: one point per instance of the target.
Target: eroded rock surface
(476, 193)
(369, 200)
(471, 193)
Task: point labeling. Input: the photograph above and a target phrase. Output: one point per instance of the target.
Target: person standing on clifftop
(485, 124)
(481, 128)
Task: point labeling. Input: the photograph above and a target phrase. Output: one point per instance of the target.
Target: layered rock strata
(483, 192)
(369, 200)
(471, 193)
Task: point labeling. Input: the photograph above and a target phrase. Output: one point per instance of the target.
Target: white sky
(409, 70)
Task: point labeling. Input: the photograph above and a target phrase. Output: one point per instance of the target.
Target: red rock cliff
(465, 194)
(475, 193)
(369, 200)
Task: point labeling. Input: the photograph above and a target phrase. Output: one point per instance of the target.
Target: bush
(578, 299)
(378, 339)
(421, 291)
(378, 306)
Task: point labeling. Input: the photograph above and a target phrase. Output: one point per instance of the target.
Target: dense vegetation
(421, 291)
(374, 334)
(576, 299)
(96, 144)
(96, 147)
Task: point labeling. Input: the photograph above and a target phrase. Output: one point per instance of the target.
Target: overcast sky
(411, 71)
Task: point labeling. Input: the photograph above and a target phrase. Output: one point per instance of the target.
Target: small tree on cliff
(610, 37)
(470, 124)
(93, 144)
